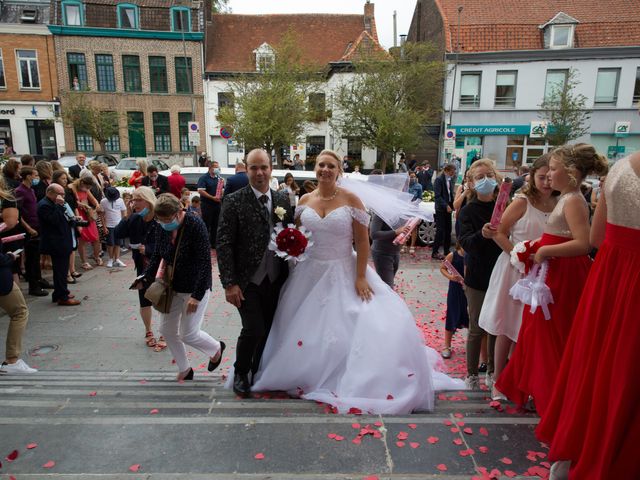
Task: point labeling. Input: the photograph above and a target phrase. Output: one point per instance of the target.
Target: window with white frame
(470, 89)
(3, 83)
(128, 16)
(265, 57)
(28, 69)
(607, 86)
(72, 13)
(561, 36)
(506, 88)
(636, 88)
(555, 82)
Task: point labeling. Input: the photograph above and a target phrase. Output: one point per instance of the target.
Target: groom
(250, 273)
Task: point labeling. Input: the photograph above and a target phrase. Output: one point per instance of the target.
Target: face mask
(216, 171)
(170, 227)
(143, 212)
(485, 186)
(35, 182)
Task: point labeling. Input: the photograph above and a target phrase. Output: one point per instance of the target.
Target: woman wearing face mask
(481, 255)
(141, 229)
(183, 238)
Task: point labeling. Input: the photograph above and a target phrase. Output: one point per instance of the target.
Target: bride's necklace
(330, 198)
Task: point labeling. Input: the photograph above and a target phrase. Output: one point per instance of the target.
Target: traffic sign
(194, 127)
(226, 132)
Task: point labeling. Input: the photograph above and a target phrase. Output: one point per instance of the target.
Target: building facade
(238, 44)
(504, 60)
(29, 105)
(141, 59)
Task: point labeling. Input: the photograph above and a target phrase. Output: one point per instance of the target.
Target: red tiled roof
(514, 24)
(364, 47)
(323, 38)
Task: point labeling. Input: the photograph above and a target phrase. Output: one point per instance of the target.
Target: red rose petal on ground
(442, 467)
(355, 425)
(49, 464)
(371, 477)
(93, 394)
(338, 438)
(331, 435)
(483, 449)
(12, 456)
(378, 423)
(400, 444)
(467, 452)
(483, 431)
(433, 440)
(356, 441)
(506, 460)
(510, 473)
(414, 444)
(457, 441)
(455, 430)
(412, 426)
(259, 456)
(154, 411)
(468, 431)
(402, 436)
(31, 446)
(448, 423)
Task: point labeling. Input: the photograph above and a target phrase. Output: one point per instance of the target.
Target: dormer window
(561, 36)
(180, 19)
(265, 57)
(72, 13)
(559, 31)
(128, 16)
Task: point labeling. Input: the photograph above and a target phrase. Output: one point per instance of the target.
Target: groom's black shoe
(213, 365)
(241, 385)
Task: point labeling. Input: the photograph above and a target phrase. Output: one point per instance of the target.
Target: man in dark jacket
(444, 207)
(75, 170)
(237, 181)
(56, 240)
(158, 183)
(425, 176)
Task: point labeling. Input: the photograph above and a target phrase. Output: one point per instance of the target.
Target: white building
(499, 73)
(238, 44)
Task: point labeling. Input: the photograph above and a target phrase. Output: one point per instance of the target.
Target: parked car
(128, 165)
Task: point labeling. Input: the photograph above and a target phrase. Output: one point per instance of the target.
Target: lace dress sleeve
(298, 212)
(360, 216)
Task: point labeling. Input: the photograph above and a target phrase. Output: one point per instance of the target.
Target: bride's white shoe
(560, 470)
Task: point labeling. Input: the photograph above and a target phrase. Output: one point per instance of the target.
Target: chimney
(370, 20)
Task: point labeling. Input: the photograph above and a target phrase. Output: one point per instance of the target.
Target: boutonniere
(280, 213)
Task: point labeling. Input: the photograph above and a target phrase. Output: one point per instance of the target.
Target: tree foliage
(565, 111)
(84, 117)
(389, 100)
(271, 108)
(220, 6)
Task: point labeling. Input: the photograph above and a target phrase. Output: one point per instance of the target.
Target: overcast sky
(383, 8)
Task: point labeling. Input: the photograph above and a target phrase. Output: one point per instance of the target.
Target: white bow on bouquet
(532, 289)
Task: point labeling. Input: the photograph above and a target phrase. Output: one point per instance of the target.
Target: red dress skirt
(536, 358)
(594, 415)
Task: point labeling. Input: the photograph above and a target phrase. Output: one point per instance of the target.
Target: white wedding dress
(327, 345)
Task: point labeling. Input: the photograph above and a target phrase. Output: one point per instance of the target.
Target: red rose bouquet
(290, 242)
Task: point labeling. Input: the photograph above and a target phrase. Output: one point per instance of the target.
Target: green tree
(271, 108)
(565, 111)
(79, 113)
(220, 6)
(389, 100)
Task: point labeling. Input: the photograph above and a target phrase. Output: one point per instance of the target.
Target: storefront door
(42, 137)
(137, 144)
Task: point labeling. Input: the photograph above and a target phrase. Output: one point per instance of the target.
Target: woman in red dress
(593, 419)
(564, 244)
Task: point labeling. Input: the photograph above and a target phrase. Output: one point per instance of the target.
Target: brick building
(504, 58)
(29, 106)
(142, 59)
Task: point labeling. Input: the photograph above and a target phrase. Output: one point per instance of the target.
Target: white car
(127, 166)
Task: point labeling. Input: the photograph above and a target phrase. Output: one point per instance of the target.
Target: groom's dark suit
(244, 231)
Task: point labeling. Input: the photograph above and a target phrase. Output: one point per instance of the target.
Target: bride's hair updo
(333, 155)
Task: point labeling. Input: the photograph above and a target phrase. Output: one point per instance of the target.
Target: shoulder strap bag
(160, 293)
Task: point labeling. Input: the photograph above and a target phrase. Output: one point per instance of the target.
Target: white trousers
(180, 328)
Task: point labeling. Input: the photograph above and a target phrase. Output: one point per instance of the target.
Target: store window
(28, 69)
(158, 74)
(3, 83)
(72, 13)
(183, 75)
(315, 145)
(128, 16)
(470, 89)
(636, 89)
(77, 67)
(506, 88)
(183, 127)
(104, 73)
(180, 19)
(131, 73)
(524, 150)
(607, 86)
(161, 132)
(555, 82)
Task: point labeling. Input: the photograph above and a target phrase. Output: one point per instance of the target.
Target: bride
(340, 335)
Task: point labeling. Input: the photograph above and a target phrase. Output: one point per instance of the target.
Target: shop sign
(8, 112)
(615, 151)
(538, 130)
(622, 129)
(483, 130)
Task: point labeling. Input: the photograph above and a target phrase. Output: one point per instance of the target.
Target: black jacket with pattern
(244, 233)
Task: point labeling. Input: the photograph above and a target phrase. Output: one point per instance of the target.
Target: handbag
(160, 293)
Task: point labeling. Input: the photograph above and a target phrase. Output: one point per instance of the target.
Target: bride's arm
(361, 240)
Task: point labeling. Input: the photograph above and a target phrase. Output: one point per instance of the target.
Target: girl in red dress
(593, 419)
(531, 371)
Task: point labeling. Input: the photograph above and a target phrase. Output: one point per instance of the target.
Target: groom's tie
(264, 199)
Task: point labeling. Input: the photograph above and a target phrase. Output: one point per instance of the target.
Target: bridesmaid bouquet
(290, 242)
(521, 256)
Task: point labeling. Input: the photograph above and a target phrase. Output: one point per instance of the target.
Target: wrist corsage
(521, 256)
